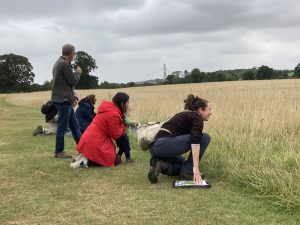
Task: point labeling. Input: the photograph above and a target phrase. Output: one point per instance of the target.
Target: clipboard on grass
(191, 184)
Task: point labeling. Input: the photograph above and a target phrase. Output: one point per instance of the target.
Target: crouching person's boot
(156, 166)
(38, 130)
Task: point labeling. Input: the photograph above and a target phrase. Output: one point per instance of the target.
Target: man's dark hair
(120, 99)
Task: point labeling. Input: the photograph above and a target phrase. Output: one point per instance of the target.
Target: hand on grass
(197, 176)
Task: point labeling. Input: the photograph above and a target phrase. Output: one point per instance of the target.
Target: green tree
(104, 85)
(297, 71)
(265, 73)
(197, 76)
(248, 75)
(88, 82)
(178, 74)
(281, 74)
(130, 84)
(47, 85)
(215, 76)
(170, 79)
(185, 73)
(87, 64)
(36, 87)
(15, 73)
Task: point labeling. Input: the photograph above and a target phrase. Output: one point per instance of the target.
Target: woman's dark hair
(120, 99)
(90, 98)
(194, 103)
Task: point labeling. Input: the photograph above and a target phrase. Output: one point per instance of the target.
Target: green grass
(38, 189)
(267, 163)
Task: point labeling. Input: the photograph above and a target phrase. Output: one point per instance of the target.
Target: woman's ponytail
(194, 103)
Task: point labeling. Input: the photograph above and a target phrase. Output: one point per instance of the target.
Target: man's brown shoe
(62, 155)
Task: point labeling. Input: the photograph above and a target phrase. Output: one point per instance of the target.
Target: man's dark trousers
(66, 119)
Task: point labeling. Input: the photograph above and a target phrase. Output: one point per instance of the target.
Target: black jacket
(186, 122)
(49, 110)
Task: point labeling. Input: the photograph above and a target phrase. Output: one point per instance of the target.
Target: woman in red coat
(96, 143)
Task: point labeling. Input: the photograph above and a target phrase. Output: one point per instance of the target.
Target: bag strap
(166, 130)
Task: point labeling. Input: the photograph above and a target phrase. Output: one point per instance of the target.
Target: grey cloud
(31, 9)
(130, 40)
(205, 16)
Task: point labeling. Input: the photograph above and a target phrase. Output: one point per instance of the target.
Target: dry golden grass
(254, 105)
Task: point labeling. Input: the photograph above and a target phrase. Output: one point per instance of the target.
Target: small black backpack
(48, 108)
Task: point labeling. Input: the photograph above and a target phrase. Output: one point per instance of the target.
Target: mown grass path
(38, 189)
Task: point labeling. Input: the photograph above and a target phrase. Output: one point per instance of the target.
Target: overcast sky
(132, 39)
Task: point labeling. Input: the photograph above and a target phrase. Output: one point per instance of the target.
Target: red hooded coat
(96, 142)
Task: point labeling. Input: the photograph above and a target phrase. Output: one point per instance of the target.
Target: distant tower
(165, 72)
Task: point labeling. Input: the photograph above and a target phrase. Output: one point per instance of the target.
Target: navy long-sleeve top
(84, 114)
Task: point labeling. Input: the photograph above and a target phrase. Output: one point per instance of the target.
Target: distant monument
(165, 72)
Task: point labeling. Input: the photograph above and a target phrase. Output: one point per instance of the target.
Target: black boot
(156, 167)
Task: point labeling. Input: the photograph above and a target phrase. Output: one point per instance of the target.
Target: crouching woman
(96, 145)
(180, 134)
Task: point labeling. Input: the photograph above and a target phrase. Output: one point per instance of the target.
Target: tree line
(16, 75)
(196, 76)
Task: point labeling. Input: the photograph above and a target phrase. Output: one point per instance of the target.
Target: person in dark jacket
(64, 81)
(51, 119)
(85, 111)
(181, 134)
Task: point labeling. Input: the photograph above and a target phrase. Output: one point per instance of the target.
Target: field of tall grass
(255, 129)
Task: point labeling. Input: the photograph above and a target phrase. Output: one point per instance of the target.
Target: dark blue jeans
(170, 150)
(66, 119)
(124, 146)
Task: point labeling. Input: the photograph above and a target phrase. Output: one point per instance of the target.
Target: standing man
(64, 81)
